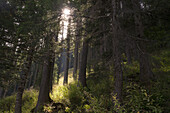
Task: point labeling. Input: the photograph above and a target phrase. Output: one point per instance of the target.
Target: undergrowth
(7, 105)
(98, 96)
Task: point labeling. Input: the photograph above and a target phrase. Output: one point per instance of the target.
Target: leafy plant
(138, 100)
(29, 101)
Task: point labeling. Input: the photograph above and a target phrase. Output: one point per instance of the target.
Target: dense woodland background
(85, 56)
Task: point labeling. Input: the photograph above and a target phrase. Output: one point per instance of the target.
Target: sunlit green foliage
(30, 97)
(138, 100)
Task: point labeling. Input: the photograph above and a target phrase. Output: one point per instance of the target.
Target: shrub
(75, 96)
(7, 105)
(138, 100)
(59, 94)
(30, 98)
(131, 69)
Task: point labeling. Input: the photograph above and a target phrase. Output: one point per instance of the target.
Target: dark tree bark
(145, 65)
(63, 51)
(118, 74)
(52, 70)
(36, 73)
(23, 78)
(79, 60)
(15, 87)
(76, 53)
(71, 63)
(66, 67)
(47, 74)
(82, 71)
(5, 92)
(31, 75)
(128, 50)
(67, 56)
(45, 83)
(75, 61)
(1, 92)
(54, 56)
(59, 63)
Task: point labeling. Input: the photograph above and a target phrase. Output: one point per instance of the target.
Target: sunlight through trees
(84, 56)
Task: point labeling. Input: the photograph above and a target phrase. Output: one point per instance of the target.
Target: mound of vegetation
(7, 105)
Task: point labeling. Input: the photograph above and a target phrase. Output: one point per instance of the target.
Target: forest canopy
(84, 56)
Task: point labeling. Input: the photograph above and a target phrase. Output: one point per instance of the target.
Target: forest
(84, 56)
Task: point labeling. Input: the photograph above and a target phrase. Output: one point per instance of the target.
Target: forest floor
(97, 97)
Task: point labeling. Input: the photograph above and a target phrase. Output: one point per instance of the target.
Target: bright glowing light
(64, 23)
(66, 11)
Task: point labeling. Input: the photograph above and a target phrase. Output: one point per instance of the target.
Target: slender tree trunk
(101, 48)
(67, 56)
(104, 39)
(71, 58)
(76, 50)
(128, 50)
(54, 56)
(1, 92)
(59, 63)
(15, 87)
(5, 92)
(145, 65)
(79, 59)
(36, 73)
(52, 70)
(66, 67)
(128, 55)
(31, 75)
(90, 59)
(63, 51)
(40, 73)
(23, 78)
(118, 74)
(75, 61)
(27, 82)
(82, 71)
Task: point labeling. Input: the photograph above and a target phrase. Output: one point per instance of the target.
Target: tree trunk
(1, 92)
(118, 74)
(36, 73)
(15, 87)
(75, 61)
(145, 65)
(59, 63)
(76, 50)
(45, 83)
(89, 60)
(104, 39)
(66, 67)
(128, 50)
(23, 78)
(47, 74)
(5, 92)
(79, 60)
(31, 75)
(67, 56)
(52, 70)
(71, 63)
(63, 51)
(82, 71)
